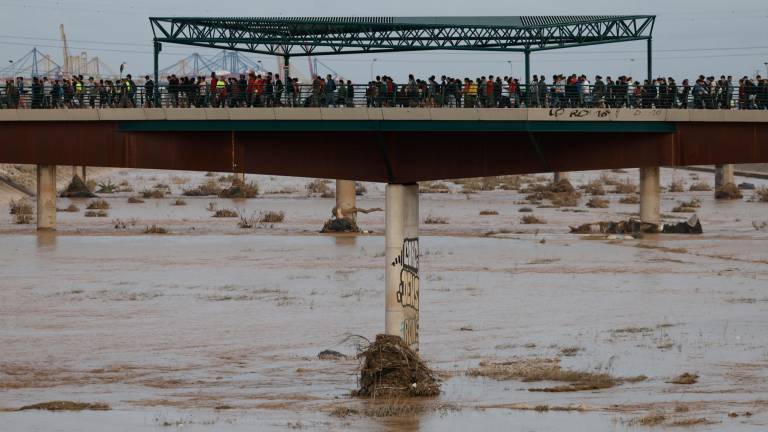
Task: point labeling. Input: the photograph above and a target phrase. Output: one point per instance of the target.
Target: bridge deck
(393, 145)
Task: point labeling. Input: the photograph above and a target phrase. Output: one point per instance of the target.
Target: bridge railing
(235, 96)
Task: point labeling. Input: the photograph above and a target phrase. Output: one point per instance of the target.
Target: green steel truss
(316, 36)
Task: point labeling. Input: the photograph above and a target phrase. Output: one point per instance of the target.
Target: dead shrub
(525, 210)
(488, 213)
(652, 419)
(155, 229)
(630, 199)
(761, 194)
(609, 180)
(677, 185)
(700, 187)
(691, 422)
(532, 219)
(685, 379)
(209, 187)
(625, 187)
(240, 189)
(318, 186)
(433, 187)
(228, 178)
(272, 217)
(543, 369)
(156, 194)
(135, 200)
(69, 209)
(225, 213)
(66, 406)
(96, 213)
(594, 187)
(391, 369)
(564, 199)
(597, 203)
(510, 182)
(179, 202)
(20, 207)
(360, 189)
(435, 220)
(98, 204)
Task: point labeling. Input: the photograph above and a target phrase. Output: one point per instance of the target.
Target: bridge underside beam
(389, 156)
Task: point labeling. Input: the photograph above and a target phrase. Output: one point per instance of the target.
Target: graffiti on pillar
(408, 288)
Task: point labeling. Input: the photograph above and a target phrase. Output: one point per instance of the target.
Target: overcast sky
(690, 37)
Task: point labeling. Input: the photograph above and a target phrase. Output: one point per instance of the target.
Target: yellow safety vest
(220, 84)
(79, 87)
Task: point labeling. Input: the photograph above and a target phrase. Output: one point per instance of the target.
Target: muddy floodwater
(216, 328)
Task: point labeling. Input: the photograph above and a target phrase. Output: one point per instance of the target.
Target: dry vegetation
(96, 213)
(595, 187)
(677, 185)
(155, 229)
(433, 187)
(21, 210)
(596, 202)
(761, 194)
(209, 187)
(544, 369)
(225, 213)
(135, 200)
(625, 187)
(630, 199)
(98, 204)
(272, 217)
(532, 219)
(155, 193)
(179, 202)
(318, 186)
(488, 213)
(435, 220)
(701, 186)
(685, 379)
(390, 369)
(69, 209)
(687, 206)
(66, 406)
(240, 189)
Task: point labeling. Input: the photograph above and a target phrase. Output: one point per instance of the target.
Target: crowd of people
(268, 90)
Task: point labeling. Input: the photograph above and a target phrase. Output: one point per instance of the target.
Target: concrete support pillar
(345, 200)
(650, 195)
(723, 175)
(85, 174)
(46, 197)
(561, 175)
(402, 263)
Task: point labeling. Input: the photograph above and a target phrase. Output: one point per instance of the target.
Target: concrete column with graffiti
(402, 265)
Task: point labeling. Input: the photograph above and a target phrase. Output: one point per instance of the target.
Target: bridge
(398, 146)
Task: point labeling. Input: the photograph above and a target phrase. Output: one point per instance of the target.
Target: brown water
(166, 329)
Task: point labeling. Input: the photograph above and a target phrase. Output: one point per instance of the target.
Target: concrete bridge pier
(401, 241)
(46, 197)
(650, 195)
(345, 200)
(724, 175)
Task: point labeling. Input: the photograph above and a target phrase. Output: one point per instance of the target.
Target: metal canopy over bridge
(305, 36)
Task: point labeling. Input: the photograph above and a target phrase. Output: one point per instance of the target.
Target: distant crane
(66, 70)
(80, 64)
